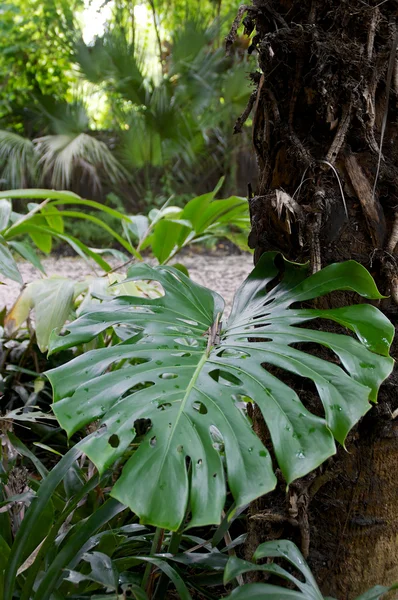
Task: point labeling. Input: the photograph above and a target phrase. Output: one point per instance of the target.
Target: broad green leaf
(26, 251)
(51, 300)
(221, 211)
(41, 239)
(164, 238)
(8, 266)
(181, 268)
(53, 218)
(194, 209)
(191, 390)
(5, 213)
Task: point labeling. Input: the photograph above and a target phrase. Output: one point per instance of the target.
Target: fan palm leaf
(18, 161)
(61, 155)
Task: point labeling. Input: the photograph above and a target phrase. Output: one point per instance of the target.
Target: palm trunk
(325, 135)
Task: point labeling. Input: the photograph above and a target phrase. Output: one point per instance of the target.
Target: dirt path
(219, 272)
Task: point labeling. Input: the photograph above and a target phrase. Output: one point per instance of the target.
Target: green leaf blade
(188, 382)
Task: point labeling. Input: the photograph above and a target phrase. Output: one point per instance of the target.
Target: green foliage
(164, 231)
(45, 222)
(36, 41)
(168, 230)
(156, 125)
(307, 586)
(196, 407)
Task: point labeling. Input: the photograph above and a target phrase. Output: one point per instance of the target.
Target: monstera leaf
(180, 381)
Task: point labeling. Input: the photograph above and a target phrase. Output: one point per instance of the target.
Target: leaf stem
(173, 548)
(156, 542)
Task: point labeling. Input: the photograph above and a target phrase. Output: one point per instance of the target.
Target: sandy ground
(219, 272)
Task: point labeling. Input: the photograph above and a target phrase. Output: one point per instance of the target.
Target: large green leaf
(192, 389)
(52, 302)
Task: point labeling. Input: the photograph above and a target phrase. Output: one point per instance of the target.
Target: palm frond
(64, 156)
(18, 162)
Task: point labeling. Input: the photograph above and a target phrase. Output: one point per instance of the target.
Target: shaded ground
(220, 272)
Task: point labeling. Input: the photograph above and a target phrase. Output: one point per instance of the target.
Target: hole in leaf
(168, 376)
(188, 341)
(179, 329)
(164, 405)
(233, 353)
(138, 361)
(180, 448)
(64, 333)
(217, 438)
(142, 426)
(114, 440)
(241, 398)
(200, 461)
(153, 441)
(188, 321)
(225, 378)
(214, 474)
(200, 407)
(262, 316)
(181, 354)
(136, 388)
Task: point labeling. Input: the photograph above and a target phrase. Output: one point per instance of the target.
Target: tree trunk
(325, 133)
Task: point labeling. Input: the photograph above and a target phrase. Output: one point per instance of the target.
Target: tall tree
(325, 134)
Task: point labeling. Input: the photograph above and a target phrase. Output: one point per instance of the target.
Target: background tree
(325, 135)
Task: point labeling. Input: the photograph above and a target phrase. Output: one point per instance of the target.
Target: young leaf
(188, 381)
(52, 301)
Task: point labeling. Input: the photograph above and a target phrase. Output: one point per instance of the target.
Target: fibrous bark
(325, 133)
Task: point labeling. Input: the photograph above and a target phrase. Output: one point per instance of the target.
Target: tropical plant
(60, 158)
(175, 368)
(306, 586)
(168, 230)
(164, 231)
(45, 222)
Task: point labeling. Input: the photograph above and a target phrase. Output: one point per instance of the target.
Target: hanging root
(371, 206)
(233, 32)
(314, 224)
(341, 135)
(393, 241)
(240, 121)
(372, 32)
